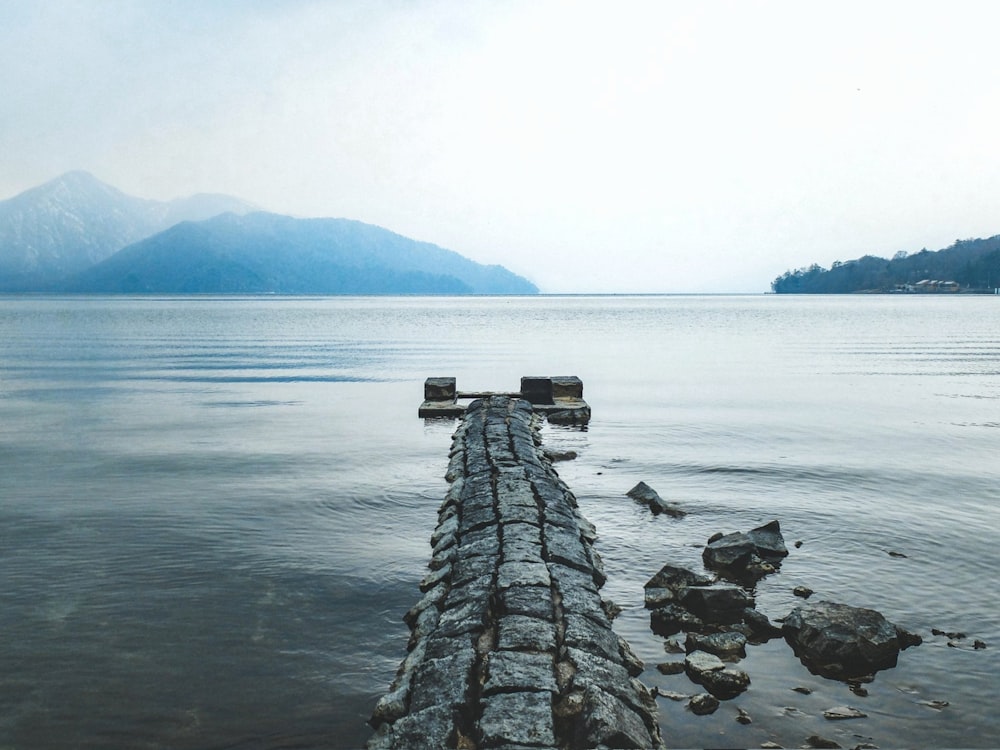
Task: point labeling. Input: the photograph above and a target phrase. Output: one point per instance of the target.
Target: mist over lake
(214, 511)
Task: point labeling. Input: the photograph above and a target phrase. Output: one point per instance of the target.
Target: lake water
(214, 511)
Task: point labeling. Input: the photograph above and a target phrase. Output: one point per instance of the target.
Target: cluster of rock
(511, 645)
(719, 617)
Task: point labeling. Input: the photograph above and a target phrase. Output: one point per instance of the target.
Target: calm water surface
(213, 512)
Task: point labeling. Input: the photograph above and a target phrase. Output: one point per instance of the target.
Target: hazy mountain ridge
(972, 265)
(78, 234)
(75, 221)
(270, 253)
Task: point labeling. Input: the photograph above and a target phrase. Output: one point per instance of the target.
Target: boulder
(727, 643)
(698, 662)
(767, 540)
(752, 555)
(669, 583)
(761, 629)
(728, 551)
(720, 602)
(704, 704)
(725, 684)
(841, 641)
(672, 618)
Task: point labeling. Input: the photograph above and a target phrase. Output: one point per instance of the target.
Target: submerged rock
(646, 495)
(726, 683)
(703, 704)
(840, 641)
(838, 713)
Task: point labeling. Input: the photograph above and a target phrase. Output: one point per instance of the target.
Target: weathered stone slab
(524, 718)
(607, 722)
(522, 633)
(521, 671)
(522, 574)
(533, 601)
(442, 682)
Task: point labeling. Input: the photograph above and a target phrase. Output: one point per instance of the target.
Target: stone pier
(511, 646)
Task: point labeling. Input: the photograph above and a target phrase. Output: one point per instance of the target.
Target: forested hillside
(973, 265)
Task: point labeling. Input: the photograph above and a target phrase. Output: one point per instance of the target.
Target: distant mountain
(78, 234)
(269, 253)
(75, 221)
(967, 265)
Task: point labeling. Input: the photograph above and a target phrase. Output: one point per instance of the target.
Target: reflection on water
(213, 512)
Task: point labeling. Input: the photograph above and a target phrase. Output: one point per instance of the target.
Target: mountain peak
(76, 220)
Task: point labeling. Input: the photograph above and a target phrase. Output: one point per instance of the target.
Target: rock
(643, 493)
(670, 667)
(838, 713)
(743, 717)
(669, 583)
(761, 628)
(556, 455)
(803, 591)
(978, 644)
(937, 705)
(671, 646)
(719, 602)
(726, 643)
(907, 639)
(671, 694)
(770, 746)
(698, 662)
(725, 683)
(815, 741)
(608, 722)
(802, 690)
(672, 618)
(731, 551)
(752, 555)
(840, 641)
(658, 597)
(703, 704)
(768, 541)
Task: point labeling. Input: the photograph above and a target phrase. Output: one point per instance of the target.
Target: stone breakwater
(511, 645)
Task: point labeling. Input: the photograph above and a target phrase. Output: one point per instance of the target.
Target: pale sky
(663, 146)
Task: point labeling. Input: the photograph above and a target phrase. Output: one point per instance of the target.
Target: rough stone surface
(841, 641)
(717, 603)
(511, 645)
(725, 683)
(726, 644)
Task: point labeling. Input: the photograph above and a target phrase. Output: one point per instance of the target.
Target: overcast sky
(593, 147)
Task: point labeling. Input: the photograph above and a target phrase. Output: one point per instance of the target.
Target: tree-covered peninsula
(965, 266)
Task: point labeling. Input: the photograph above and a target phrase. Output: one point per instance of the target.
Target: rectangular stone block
(509, 671)
(522, 574)
(440, 389)
(536, 390)
(521, 633)
(517, 719)
(563, 546)
(567, 386)
(444, 681)
(607, 722)
(533, 601)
